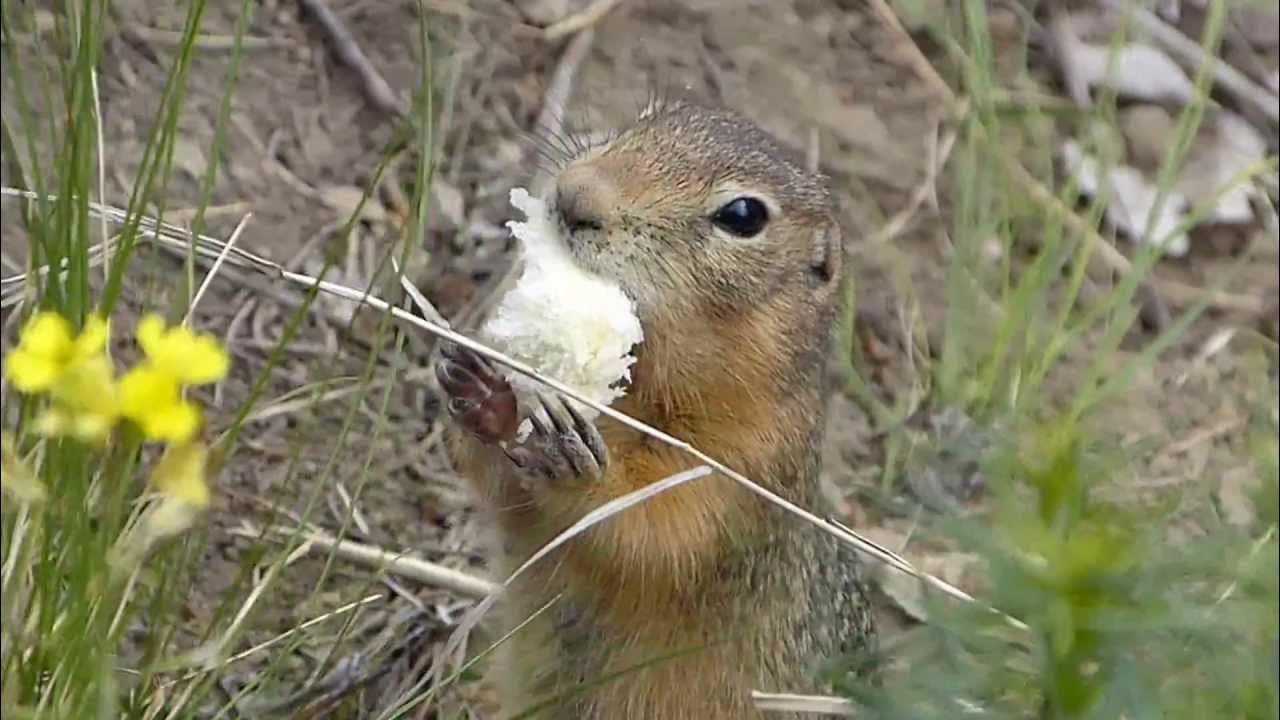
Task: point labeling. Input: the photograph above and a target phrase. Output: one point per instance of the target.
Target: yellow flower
(151, 393)
(153, 399)
(85, 403)
(72, 369)
(188, 358)
(47, 349)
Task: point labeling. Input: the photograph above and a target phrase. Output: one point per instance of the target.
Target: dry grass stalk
(378, 558)
(208, 248)
(812, 704)
(214, 43)
(348, 50)
(583, 20)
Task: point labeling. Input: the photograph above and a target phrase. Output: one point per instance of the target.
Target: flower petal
(92, 339)
(151, 334)
(99, 391)
(174, 423)
(89, 385)
(180, 474)
(52, 422)
(145, 390)
(48, 335)
(29, 372)
(203, 361)
(169, 518)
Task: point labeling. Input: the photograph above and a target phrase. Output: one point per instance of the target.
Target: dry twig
(400, 564)
(349, 51)
(555, 100)
(810, 704)
(592, 14)
(927, 188)
(202, 41)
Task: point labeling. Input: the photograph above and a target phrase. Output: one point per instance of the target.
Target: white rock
(1133, 70)
(1132, 200)
(1215, 165)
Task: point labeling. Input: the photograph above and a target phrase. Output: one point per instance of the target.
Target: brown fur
(736, 332)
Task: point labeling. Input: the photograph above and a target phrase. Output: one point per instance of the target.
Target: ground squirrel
(730, 250)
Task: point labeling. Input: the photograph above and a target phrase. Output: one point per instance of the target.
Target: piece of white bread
(565, 322)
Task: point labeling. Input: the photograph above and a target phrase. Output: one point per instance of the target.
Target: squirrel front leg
(566, 468)
(561, 445)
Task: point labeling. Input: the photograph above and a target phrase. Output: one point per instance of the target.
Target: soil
(303, 139)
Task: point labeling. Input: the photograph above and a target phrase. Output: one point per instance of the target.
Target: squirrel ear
(828, 251)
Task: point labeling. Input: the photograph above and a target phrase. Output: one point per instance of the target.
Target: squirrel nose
(584, 198)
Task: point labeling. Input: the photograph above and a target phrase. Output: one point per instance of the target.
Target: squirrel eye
(744, 217)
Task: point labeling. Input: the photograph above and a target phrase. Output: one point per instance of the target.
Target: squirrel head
(697, 208)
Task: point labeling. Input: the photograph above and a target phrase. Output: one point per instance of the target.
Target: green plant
(105, 474)
(1119, 620)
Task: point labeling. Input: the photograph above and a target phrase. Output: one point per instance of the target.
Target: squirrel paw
(561, 445)
(481, 400)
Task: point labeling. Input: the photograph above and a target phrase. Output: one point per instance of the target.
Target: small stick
(217, 265)
(589, 16)
(423, 571)
(348, 50)
(1254, 550)
(207, 247)
(185, 215)
(102, 168)
(201, 41)
(419, 300)
(556, 99)
(919, 63)
(1204, 434)
(606, 511)
(896, 224)
(811, 704)
(813, 151)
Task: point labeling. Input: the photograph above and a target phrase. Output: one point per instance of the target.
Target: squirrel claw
(561, 445)
(479, 398)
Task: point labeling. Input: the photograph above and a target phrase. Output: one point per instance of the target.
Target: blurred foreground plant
(1123, 622)
(68, 584)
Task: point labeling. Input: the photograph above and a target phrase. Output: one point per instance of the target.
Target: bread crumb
(564, 321)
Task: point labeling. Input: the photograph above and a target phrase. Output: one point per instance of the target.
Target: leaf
(189, 157)
(1235, 495)
(448, 203)
(16, 477)
(906, 592)
(344, 199)
(909, 593)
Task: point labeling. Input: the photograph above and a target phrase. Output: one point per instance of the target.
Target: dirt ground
(303, 137)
